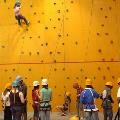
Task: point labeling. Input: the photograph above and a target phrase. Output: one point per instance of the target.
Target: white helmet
(35, 83)
(44, 82)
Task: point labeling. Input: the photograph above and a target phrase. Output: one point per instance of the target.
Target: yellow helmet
(68, 94)
(118, 80)
(88, 82)
(8, 86)
(109, 83)
(74, 118)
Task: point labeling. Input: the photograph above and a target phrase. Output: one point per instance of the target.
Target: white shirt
(17, 10)
(6, 98)
(104, 93)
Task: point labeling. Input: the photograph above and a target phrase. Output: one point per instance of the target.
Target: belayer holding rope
(18, 15)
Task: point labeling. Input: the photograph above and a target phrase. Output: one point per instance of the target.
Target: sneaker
(63, 114)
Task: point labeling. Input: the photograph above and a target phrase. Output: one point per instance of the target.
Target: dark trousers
(19, 18)
(108, 113)
(16, 112)
(7, 113)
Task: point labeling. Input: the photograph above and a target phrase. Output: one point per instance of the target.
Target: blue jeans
(16, 112)
(91, 115)
(108, 113)
(45, 115)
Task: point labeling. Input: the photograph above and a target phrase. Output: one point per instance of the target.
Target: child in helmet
(18, 15)
(65, 106)
(6, 102)
(36, 100)
(88, 97)
(107, 101)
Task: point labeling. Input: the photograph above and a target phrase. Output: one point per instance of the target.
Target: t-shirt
(6, 98)
(17, 10)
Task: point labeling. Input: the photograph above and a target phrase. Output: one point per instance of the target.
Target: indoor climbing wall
(67, 41)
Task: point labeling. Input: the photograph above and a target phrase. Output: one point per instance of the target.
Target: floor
(56, 116)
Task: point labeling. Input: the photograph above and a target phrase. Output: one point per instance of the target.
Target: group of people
(86, 101)
(14, 99)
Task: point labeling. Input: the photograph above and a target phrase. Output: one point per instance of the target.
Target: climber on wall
(18, 15)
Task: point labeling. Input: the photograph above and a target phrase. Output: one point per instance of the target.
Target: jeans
(108, 113)
(19, 18)
(92, 115)
(16, 112)
(79, 106)
(45, 115)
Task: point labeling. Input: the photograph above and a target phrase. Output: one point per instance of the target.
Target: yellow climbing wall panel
(67, 41)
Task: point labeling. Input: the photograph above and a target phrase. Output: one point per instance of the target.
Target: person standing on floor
(23, 89)
(79, 105)
(16, 101)
(6, 102)
(36, 100)
(87, 97)
(107, 101)
(46, 95)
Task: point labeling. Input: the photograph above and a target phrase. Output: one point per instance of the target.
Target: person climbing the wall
(66, 106)
(6, 102)
(87, 97)
(45, 106)
(18, 15)
(36, 100)
(79, 105)
(16, 101)
(107, 101)
(23, 89)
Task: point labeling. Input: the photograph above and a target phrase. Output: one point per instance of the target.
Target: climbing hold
(58, 19)
(46, 44)
(31, 6)
(67, 10)
(99, 50)
(38, 21)
(46, 28)
(58, 11)
(99, 68)
(54, 3)
(111, 42)
(13, 69)
(38, 36)
(29, 69)
(59, 35)
(50, 52)
(34, 13)
(37, 53)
